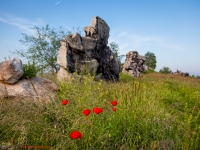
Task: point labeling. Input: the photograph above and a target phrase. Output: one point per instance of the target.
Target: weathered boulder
(133, 64)
(76, 52)
(11, 71)
(37, 88)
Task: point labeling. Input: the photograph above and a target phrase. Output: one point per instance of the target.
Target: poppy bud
(75, 135)
(97, 110)
(86, 112)
(64, 102)
(114, 103)
(114, 109)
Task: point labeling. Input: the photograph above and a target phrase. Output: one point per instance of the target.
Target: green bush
(30, 70)
(149, 71)
(165, 70)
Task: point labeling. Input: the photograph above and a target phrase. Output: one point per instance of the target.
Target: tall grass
(153, 112)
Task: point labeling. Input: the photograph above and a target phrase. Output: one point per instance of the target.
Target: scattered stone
(133, 64)
(77, 52)
(11, 71)
(185, 74)
(171, 72)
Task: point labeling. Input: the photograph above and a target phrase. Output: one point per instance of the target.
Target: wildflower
(114, 109)
(97, 110)
(64, 102)
(114, 103)
(86, 112)
(75, 135)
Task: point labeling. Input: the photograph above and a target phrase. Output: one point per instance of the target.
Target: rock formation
(185, 74)
(11, 71)
(37, 88)
(133, 64)
(13, 86)
(76, 52)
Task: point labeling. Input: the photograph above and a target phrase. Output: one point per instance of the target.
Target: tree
(42, 47)
(165, 70)
(150, 60)
(115, 49)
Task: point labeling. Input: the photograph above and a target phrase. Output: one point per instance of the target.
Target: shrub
(30, 70)
(149, 71)
(165, 70)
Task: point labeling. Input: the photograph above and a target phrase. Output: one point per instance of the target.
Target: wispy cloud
(23, 24)
(57, 3)
(131, 41)
(140, 41)
(143, 44)
(123, 33)
(178, 48)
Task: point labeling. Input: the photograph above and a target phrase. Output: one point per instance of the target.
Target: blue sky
(168, 28)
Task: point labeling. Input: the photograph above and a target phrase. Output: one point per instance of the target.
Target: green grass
(154, 112)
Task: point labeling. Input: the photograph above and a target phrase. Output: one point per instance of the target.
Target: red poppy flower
(97, 110)
(64, 102)
(75, 135)
(114, 109)
(114, 103)
(86, 112)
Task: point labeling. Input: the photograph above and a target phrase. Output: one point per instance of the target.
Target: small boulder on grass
(11, 71)
(37, 88)
(19, 81)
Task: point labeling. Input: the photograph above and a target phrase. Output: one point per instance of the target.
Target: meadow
(154, 112)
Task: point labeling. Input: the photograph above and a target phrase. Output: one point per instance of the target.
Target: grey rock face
(133, 64)
(11, 71)
(76, 52)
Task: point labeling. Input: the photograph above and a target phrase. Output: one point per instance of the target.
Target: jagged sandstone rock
(11, 71)
(133, 64)
(76, 52)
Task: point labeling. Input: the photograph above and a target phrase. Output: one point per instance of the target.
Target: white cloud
(23, 24)
(178, 48)
(135, 42)
(143, 43)
(57, 3)
(2, 20)
(139, 40)
(123, 33)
